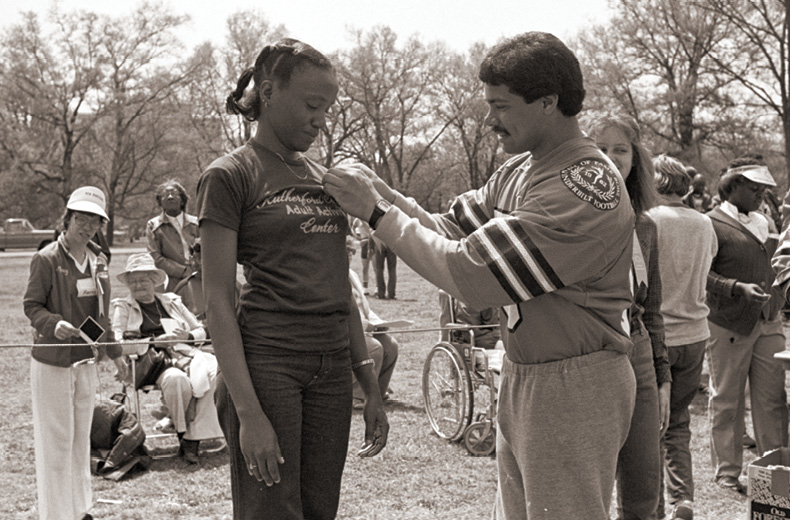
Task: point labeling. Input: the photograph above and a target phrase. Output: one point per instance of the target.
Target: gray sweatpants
(560, 428)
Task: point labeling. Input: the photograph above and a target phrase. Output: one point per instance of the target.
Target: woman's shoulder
(48, 256)
(239, 156)
(236, 165)
(122, 301)
(169, 299)
(231, 177)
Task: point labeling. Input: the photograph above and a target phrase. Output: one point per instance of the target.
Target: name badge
(86, 287)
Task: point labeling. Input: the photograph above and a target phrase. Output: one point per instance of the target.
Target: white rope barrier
(144, 341)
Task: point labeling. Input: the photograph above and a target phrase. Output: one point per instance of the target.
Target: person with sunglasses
(745, 327)
(68, 283)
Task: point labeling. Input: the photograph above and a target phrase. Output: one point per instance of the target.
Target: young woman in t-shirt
(639, 462)
(285, 398)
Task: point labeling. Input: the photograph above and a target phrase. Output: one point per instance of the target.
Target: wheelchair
(459, 391)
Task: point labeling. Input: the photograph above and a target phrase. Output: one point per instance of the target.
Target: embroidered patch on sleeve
(593, 181)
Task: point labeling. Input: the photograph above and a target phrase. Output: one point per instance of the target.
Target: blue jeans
(639, 460)
(686, 363)
(307, 398)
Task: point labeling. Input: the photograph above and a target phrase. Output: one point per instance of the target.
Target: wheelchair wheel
(447, 392)
(480, 438)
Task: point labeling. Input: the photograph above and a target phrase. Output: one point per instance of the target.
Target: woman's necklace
(301, 178)
(158, 320)
(282, 159)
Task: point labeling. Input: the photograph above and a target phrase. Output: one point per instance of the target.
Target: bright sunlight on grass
(418, 476)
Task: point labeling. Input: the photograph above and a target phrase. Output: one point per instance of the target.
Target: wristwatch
(381, 207)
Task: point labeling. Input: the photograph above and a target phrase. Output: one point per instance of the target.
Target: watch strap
(379, 210)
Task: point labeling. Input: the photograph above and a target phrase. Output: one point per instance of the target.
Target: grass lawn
(418, 475)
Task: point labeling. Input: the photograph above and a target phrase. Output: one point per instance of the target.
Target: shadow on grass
(179, 465)
(396, 405)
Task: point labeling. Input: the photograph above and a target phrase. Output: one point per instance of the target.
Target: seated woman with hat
(166, 320)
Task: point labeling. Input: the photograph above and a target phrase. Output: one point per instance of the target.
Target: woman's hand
(261, 451)
(168, 339)
(165, 340)
(65, 330)
(376, 426)
(181, 334)
(664, 392)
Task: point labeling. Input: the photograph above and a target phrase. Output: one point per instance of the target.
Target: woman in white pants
(68, 283)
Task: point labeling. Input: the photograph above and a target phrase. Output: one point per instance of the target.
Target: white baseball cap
(755, 173)
(88, 199)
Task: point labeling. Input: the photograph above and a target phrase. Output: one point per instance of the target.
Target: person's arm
(119, 314)
(652, 317)
(39, 286)
(780, 262)
(376, 425)
(730, 288)
(503, 258)
(257, 438)
(193, 327)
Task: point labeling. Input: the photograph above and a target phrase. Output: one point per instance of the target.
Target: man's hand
(352, 188)
(751, 292)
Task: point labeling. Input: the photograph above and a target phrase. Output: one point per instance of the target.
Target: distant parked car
(19, 233)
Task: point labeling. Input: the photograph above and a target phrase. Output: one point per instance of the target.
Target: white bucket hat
(755, 173)
(88, 199)
(143, 262)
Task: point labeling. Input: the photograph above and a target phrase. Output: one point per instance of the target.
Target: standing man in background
(549, 237)
(385, 289)
(170, 234)
(745, 328)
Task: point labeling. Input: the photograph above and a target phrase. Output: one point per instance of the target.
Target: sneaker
(732, 484)
(165, 425)
(684, 510)
(749, 442)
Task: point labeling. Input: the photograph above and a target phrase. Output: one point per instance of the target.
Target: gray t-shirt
(687, 243)
(291, 244)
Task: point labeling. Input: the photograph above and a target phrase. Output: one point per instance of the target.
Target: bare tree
(139, 54)
(756, 54)
(216, 73)
(50, 78)
(652, 62)
(391, 93)
(464, 105)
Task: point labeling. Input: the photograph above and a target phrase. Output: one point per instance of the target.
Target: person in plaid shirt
(639, 462)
